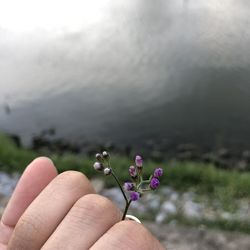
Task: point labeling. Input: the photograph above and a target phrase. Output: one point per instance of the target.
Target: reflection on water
(173, 71)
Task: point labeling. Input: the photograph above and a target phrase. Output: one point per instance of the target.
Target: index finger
(35, 178)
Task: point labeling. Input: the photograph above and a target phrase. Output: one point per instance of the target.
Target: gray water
(169, 71)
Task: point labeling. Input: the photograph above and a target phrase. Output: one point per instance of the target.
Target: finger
(46, 212)
(34, 179)
(127, 235)
(86, 222)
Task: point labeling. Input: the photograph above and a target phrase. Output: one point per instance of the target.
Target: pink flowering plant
(134, 189)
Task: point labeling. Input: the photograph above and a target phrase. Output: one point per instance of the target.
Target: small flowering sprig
(137, 186)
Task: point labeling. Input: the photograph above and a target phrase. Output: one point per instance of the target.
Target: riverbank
(158, 151)
(192, 193)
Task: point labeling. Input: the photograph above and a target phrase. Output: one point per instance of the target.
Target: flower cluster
(137, 186)
(99, 165)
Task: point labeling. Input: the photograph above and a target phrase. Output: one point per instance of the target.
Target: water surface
(129, 72)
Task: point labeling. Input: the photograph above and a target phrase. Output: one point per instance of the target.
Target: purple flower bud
(98, 157)
(98, 166)
(134, 196)
(158, 172)
(107, 171)
(132, 171)
(138, 161)
(154, 183)
(128, 186)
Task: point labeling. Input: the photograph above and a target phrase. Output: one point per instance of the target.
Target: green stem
(119, 184)
(126, 209)
(124, 195)
(143, 182)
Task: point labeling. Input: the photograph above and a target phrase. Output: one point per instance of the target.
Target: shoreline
(220, 156)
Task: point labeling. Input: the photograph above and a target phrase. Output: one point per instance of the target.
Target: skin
(50, 211)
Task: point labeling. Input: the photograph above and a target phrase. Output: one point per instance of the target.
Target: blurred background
(169, 79)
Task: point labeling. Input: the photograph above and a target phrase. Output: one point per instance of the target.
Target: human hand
(50, 211)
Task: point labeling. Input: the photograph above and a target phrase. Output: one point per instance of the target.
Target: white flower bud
(107, 171)
(98, 157)
(98, 166)
(105, 155)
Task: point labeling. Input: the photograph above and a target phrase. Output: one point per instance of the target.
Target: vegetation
(204, 179)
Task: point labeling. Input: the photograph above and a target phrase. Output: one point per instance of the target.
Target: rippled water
(171, 71)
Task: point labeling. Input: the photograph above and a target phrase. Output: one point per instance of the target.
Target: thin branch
(119, 184)
(126, 210)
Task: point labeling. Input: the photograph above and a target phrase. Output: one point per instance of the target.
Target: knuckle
(72, 176)
(134, 236)
(74, 180)
(24, 233)
(96, 206)
(94, 203)
(131, 227)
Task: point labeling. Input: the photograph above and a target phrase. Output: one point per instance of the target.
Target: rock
(224, 153)
(217, 241)
(244, 211)
(246, 156)
(174, 196)
(226, 216)
(186, 147)
(3, 203)
(222, 158)
(166, 191)
(188, 196)
(157, 156)
(188, 155)
(109, 146)
(98, 184)
(7, 183)
(128, 150)
(222, 163)
(154, 204)
(192, 210)
(160, 217)
(186, 238)
(242, 165)
(151, 201)
(208, 157)
(139, 207)
(169, 208)
(16, 139)
(115, 195)
(187, 152)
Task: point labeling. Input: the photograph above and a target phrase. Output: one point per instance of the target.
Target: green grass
(11, 157)
(228, 225)
(205, 178)
(202, 178)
